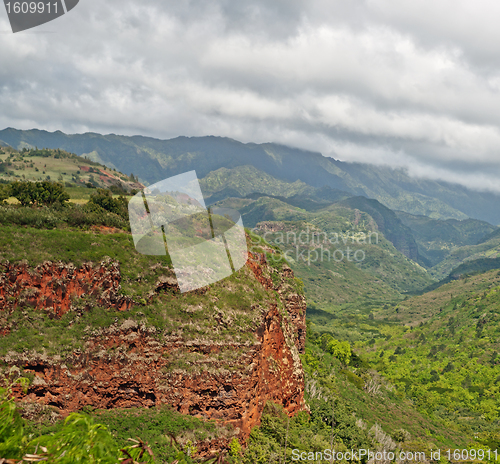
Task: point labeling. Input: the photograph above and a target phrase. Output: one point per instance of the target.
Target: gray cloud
(413, 84)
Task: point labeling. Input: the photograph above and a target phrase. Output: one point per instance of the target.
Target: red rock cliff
(54, 285)
(132, 364)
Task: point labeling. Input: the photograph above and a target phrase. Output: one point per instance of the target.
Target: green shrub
(105, 200)
(235, 448)
(5, 192)
(56, 216)
(38, 193)
(341, 350)
(11, 424)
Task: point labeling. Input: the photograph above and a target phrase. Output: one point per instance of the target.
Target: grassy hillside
(443, 352)
(153, 160)
(365, 262)
(439, 351)
(465, 254)
(329, 280)
(436, 239)
(450, 248)
(244, 180)
(381, 258)
(381, 217)
(466, 269)
(374, 401)
(60, 166)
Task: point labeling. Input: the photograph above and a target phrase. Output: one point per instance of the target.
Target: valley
(351, 320)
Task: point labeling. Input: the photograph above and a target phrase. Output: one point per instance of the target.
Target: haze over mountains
(435, 224)
(153, 159)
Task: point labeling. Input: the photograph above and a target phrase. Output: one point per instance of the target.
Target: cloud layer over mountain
(398, 82)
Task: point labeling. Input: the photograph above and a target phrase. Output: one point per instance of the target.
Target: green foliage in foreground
(79, 440)
(11, 424)
(164, 434)
(102, 437)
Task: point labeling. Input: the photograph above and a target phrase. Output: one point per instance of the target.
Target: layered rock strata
(135, 364)
(54, 286)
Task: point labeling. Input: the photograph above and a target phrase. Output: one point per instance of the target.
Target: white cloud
(405, 83)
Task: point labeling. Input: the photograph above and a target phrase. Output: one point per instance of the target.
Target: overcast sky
(400, 82)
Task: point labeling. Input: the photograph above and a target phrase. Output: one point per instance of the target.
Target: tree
(39, 193)
(105, 200)
(341, 350)
(4, 192)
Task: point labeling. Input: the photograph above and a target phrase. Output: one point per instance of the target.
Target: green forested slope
(436, 238)
(465, 254)
(365, 263)
(443, 352)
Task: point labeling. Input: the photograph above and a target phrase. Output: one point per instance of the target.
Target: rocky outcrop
(54, 286)
(133, 364)
(295, 303)
(231, 391)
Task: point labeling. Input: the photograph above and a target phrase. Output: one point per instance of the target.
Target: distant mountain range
(295, 170)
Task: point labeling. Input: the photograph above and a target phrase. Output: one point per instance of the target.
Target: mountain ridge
(154, 159)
